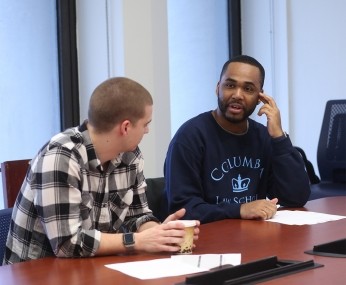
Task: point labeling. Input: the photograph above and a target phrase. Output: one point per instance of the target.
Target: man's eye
(249, 89)
(229, 85)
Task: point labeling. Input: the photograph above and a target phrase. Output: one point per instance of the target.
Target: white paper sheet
(209, 261)
(289, 217)
(174, 266)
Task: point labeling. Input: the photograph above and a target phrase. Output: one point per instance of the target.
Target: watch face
(128, 239)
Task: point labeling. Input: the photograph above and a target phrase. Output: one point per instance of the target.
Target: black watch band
(129, 241)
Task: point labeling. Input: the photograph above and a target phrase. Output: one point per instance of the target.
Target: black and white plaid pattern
(67, 200)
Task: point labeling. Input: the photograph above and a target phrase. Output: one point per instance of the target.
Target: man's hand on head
(272, 113)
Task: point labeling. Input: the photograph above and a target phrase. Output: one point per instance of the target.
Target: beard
(223, 106)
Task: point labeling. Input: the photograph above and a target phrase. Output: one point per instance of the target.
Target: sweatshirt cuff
(281, 145)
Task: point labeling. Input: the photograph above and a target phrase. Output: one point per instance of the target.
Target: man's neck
(104, 144)
(240, 128)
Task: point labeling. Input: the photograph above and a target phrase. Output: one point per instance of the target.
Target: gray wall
(300, 43)
(174, 48)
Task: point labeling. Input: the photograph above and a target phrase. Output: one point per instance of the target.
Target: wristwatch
(129, 241)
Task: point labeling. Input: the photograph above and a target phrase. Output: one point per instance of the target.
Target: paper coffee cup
(187, 243)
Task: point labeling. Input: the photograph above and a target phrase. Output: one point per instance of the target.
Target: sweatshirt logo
(240, 185)
(230, 165)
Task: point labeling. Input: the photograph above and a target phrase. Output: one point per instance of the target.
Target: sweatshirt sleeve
(290, 182)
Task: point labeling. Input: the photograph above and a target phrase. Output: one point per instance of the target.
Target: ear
(217, 88)
(124, 127)
(259, 101)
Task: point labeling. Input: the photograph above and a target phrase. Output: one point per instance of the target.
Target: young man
(222, 164)
(84, 193)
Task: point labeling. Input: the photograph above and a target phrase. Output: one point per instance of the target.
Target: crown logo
(240, 185)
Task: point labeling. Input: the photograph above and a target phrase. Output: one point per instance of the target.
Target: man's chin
(235, 120)
(239, 118)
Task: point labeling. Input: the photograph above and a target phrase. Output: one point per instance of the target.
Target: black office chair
(5, 219)
(156, 197)
(331, 152)
(308, 167)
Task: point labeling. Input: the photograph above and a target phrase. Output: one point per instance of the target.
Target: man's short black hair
(245, 59)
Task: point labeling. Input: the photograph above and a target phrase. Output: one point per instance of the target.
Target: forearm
(291, 182)
(111, 244)
(197, 209)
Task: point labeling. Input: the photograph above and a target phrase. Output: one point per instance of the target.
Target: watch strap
(129, 241)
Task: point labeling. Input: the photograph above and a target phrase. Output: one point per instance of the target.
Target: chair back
(156, 197)
(5, 220)
(331, 151)
(13, 173)
(314, 179)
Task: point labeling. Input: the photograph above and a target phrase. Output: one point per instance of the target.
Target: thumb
(274, 201)
(175, 216)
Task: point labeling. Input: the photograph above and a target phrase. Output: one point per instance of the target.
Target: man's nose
(238, 93)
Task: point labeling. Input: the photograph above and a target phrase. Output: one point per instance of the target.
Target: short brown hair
(115, 100)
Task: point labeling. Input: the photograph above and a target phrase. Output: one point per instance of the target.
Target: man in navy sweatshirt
(221, 164)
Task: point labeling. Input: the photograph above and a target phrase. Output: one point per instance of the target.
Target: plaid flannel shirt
(67, 200)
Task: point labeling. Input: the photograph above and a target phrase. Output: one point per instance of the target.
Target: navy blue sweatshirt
(211, 172)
